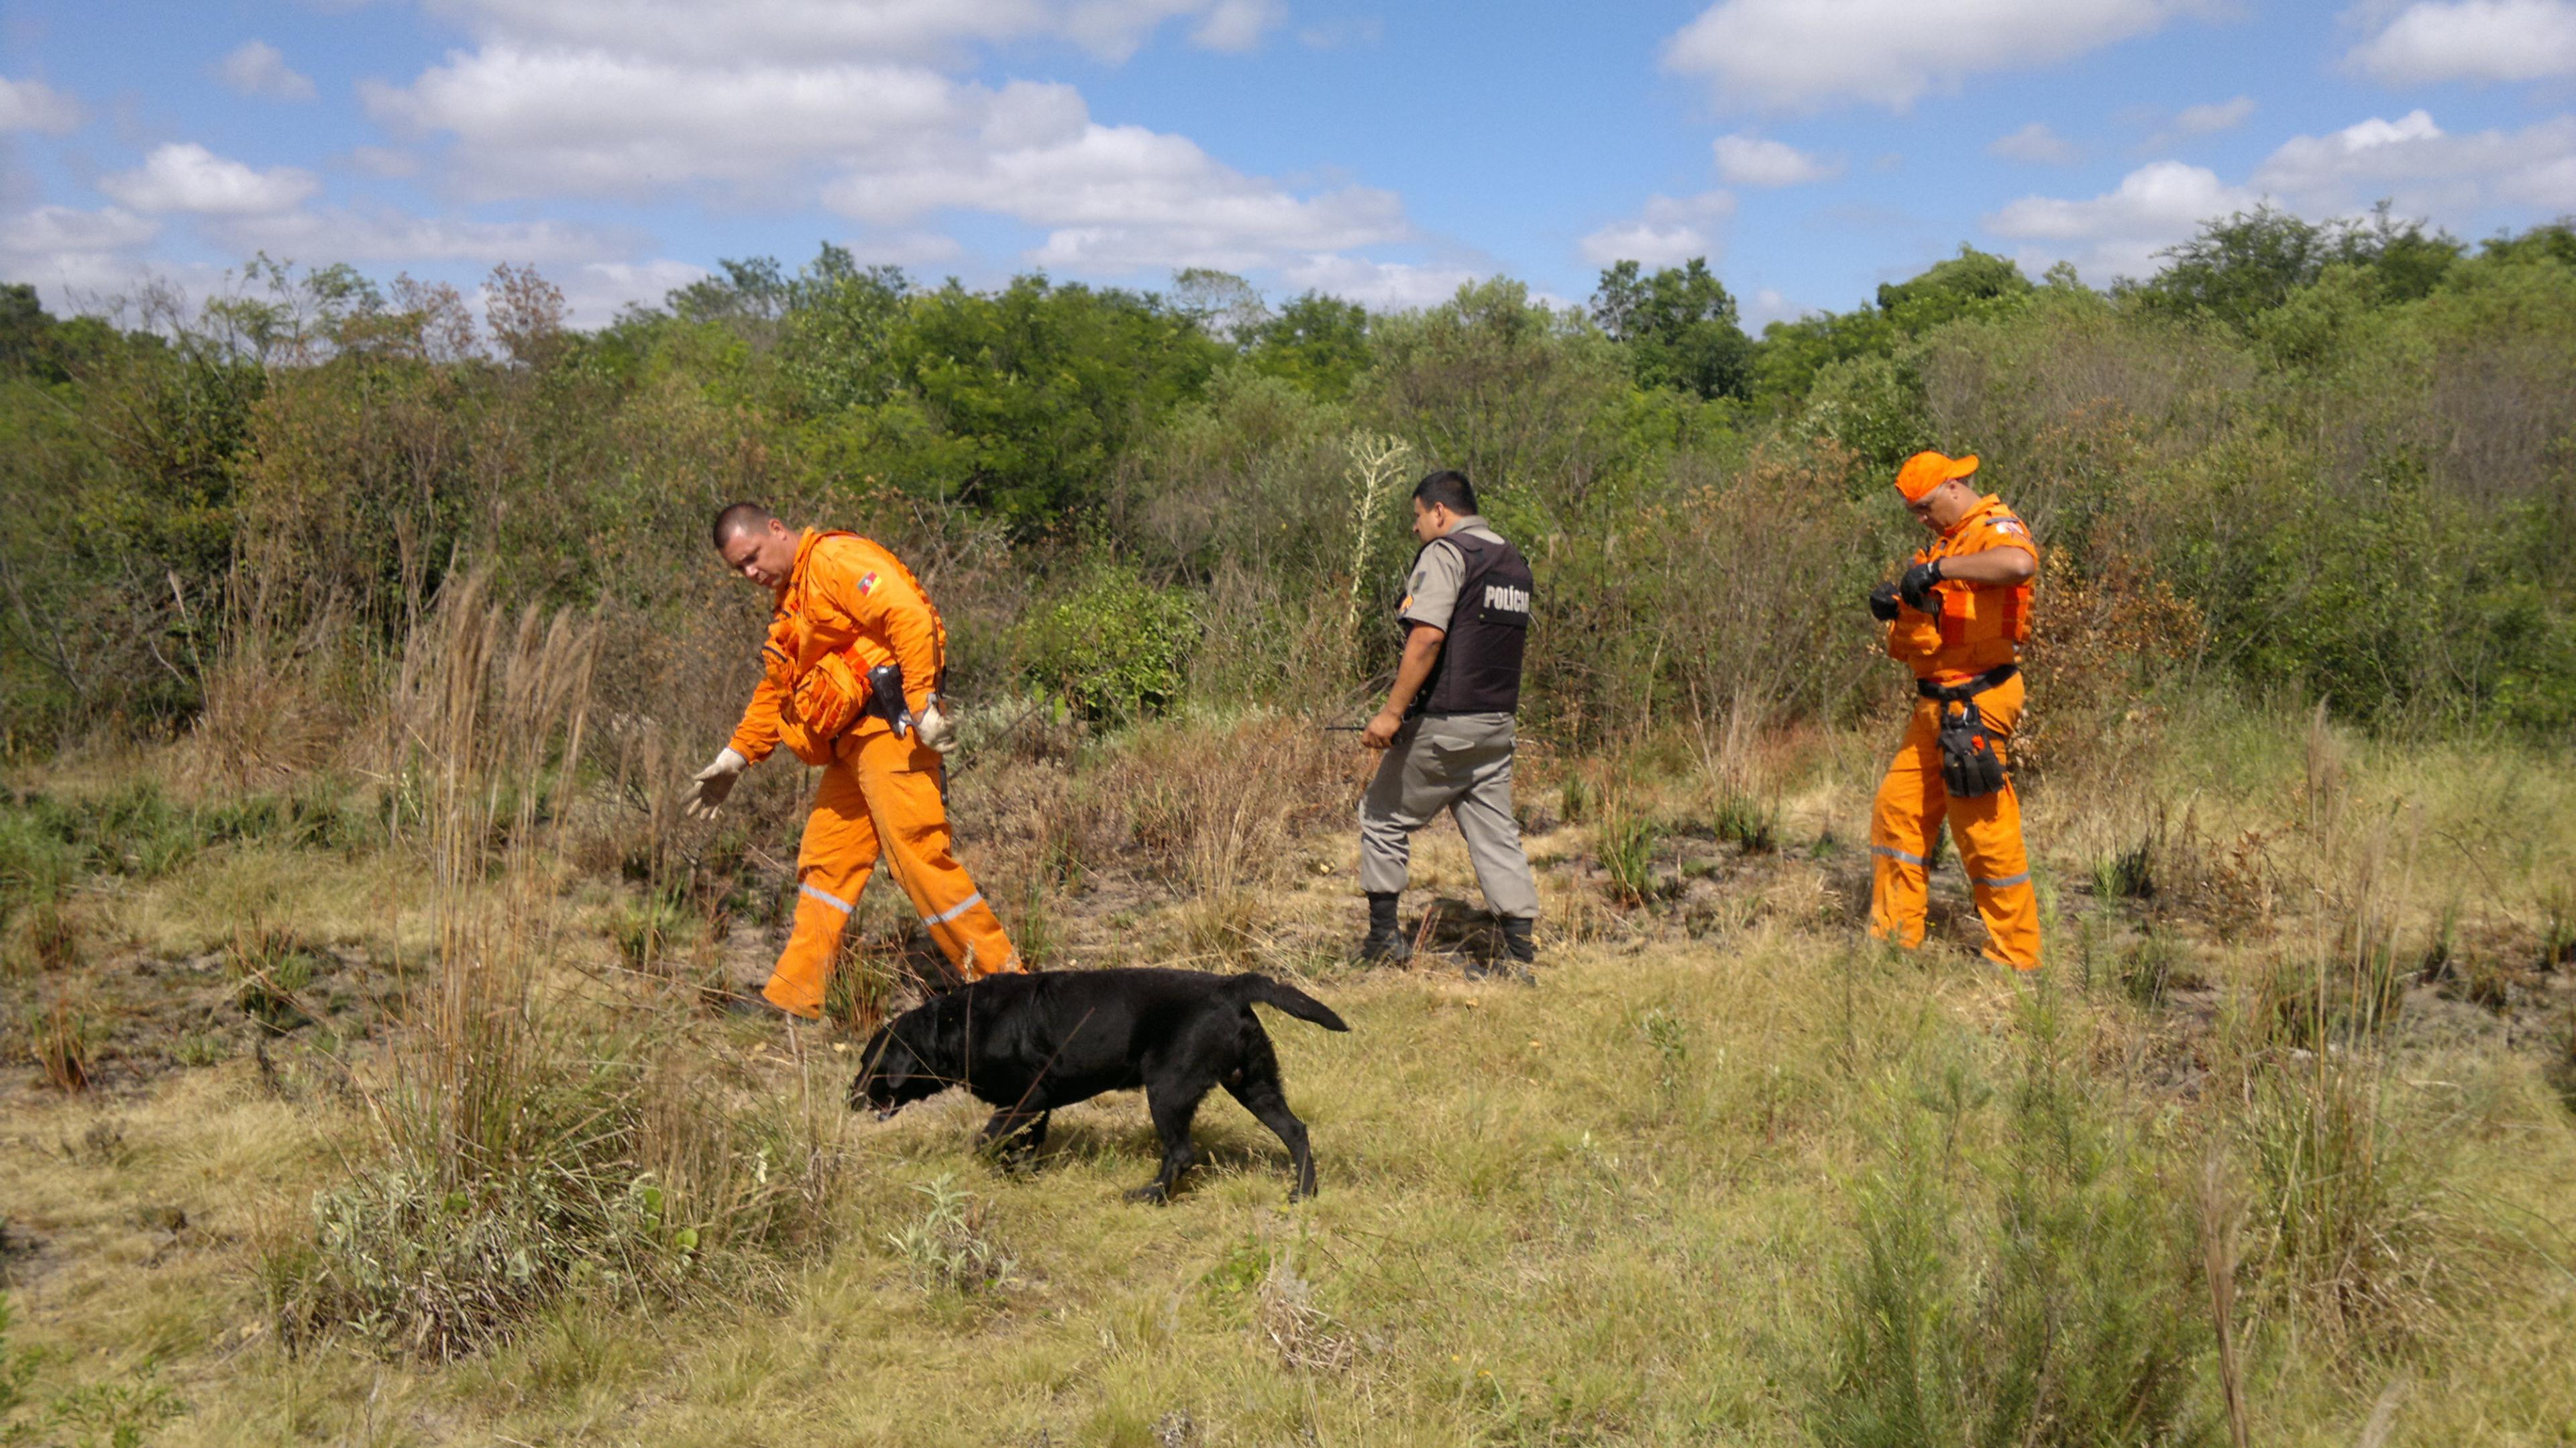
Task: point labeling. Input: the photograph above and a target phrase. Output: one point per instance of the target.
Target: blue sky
(1810, 148)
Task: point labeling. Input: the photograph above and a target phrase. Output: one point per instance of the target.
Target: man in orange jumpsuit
(1958, 619)
(853, 662)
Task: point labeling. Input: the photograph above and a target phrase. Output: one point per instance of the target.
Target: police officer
(1447, 725)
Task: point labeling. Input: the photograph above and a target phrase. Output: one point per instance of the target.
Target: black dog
(1031, 1043)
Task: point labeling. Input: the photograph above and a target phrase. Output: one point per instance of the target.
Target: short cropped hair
(1447, 488)
(741, 518)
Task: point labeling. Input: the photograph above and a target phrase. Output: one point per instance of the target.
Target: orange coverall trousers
(879, 798)
(1911, 805)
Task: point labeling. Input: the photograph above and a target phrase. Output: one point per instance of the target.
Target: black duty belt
(1962, 693)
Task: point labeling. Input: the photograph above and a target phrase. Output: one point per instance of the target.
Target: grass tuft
(951, 1245)
(63, 1038)
(2019, 1275)
(1626, 841)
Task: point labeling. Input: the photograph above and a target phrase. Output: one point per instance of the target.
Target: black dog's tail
(1286, 997)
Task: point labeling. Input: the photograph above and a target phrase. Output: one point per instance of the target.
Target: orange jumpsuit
(879, 794)
(1979, 627)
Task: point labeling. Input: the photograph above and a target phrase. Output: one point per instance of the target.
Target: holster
(1970, 767)
(885, 698)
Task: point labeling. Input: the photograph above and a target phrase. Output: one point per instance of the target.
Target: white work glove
(937, 729)
(713, 783)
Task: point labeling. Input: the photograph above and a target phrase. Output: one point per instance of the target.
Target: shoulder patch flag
(866, 583)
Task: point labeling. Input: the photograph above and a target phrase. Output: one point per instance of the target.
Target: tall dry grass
(529, 1144)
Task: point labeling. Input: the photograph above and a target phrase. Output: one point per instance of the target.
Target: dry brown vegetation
(476, 1160)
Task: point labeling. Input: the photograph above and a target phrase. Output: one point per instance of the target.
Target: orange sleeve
(911, 629)
(757, 735)
(861, 593)
(1997, 530)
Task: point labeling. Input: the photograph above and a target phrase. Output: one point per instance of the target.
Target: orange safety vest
(1980, 625)
(821, 693)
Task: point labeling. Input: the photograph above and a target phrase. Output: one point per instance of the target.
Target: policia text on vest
(1447, 725)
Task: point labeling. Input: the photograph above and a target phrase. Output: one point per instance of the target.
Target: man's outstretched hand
(1380, 731)
(709, 786)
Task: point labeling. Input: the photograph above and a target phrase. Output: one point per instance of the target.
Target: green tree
(1320, 343)
(1021, 401)
(1679, 325)
(2249, 263)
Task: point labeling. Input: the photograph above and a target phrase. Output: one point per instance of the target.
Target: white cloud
(64, 229)
(69, 252)
(32, 105)
(818, 31)
(537, 123)
(2494, 40)
(2215, 117)
(1237, 25)
(2423, 169)
(2036, 144)
(596, 292)
(184, 176)
(1386, 285)
(1804, 54)
(1117, 198)
(1766, 306)
(1748, 160)
(341, 234)
(1667, 232)
(2410, 161)
(864, 108)
(2118, 233)
(256, 69)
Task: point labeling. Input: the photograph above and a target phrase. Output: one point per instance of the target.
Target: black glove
(1882, 603)
(1916, 586)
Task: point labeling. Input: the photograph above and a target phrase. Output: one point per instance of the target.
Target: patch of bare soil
(144, 1016)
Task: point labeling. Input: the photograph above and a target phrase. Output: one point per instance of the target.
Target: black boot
(1520, 951)
(1385, 943)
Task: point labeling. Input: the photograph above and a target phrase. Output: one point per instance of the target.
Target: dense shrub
(2346, 448)
(2020, 1275)
(1115, 648)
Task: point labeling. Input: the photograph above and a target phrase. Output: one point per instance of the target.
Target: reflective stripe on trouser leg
(1901, 821)
(832, 867)
(900, 778)
(1990, 847)
(1988, 834)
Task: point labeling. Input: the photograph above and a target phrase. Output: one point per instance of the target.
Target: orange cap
(1928, 470)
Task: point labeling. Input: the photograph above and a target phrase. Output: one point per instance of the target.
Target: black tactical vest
(1479, 668)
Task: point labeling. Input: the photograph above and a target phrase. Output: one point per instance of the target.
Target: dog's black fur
(1030, 1043)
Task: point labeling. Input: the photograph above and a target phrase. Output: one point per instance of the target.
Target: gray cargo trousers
(1461, 763)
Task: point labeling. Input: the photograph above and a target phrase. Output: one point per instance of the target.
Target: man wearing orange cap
(853, 668)
(1958, 619)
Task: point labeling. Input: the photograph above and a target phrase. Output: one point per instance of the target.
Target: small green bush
(16, 1368)
(619, 1181)
(1116, 649)
(1743, 820)
(951, 1247)
(1627, 843)
(2020, 1278)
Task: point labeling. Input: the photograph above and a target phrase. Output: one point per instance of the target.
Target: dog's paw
(1150, 1192)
